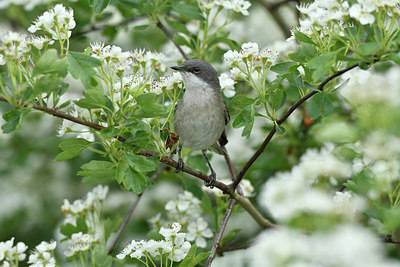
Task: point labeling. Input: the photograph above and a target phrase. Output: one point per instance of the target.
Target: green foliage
(50, 63)
(81, 67)
(72, 148)
(68, 229)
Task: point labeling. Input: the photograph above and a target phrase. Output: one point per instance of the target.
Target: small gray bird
(201, 114)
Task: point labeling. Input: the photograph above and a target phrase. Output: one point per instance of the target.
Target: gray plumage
(201, 114)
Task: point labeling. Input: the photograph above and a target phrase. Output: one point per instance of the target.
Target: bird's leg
(181, 164)
(213, 175)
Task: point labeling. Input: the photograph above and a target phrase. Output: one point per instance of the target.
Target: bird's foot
(211, 183)
(180, 166)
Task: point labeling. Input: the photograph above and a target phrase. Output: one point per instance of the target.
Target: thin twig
(130, 212)
(282, 119)
(228, 212)
(169, 35)
(222, 250)
(389, 239)
(222, 227)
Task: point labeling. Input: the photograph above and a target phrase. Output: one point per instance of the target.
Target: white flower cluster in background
(186, 210)
(43, 255)
(58, 22)
(90, 206)
(238, 6)
(346, 245)
(80, 242)
(16, 47)
(174, 245)
(10, 255)
(166, 83)
(321, 13)
(290, 194)
(250, 64)
(369, 87)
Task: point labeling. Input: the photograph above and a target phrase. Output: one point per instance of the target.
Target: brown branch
(282, 119)
(222, 250)
(389, 239)
(130, 212)
(221, 229)
(169, 35)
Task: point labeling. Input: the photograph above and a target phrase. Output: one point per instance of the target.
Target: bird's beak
(178, 68)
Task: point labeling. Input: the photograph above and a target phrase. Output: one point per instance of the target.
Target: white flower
(227, 85)
(231, 57)
(42, 255)
(185, 207)
(170, 232)
(11, 252)
(361, 13)
(249, 49)
(57, 21)
(197, 231)
(346, 245)
(79, 242)
(237, 6)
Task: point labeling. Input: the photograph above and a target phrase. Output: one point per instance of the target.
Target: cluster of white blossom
(238, 6)
(377, 88)
(186, 210)
(26, 4)
(290, 194)
(250, 63)
(16, 47)
(116, 61)
(80, 242)
(166, 83)
(10, 255)
(322, 13)
(57, 21)
(90, 207)
(174, 245)
(346, 245)
(43, 255)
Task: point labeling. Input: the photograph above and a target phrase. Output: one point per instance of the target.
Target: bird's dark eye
(196, 70)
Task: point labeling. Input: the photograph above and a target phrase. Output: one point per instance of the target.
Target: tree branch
(221, 230)
(222, 250)
(282, 119)
(389, 239)
(130, 212)
(169, 35)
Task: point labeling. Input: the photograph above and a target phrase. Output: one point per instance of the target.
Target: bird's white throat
(194, 84)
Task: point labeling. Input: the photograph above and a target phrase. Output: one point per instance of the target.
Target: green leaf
(140, 163)
(99, 5)
(282, 68)
(68, 229)
(94, 98)
(245, 119)
(301, 37)
(14, 119)
(321, 65)
(367, 49)
(72, 148)
(200, 257)
(389, 217)
(188, 10)
(395, 57)
(102, 258)
(81, 67)
(239, 102)
(188, 261)
(232, 234)
(319, 105)
(178, 26)
(304, 53)
(95, 167)
(147, 107)
(50, 63)
(129, 172)
(47, 84)
(280, 129)
(180, 40)
(111, 225)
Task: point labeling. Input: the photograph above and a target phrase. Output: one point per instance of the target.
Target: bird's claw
(180, 166)
(211, 183)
